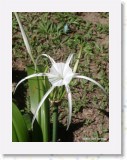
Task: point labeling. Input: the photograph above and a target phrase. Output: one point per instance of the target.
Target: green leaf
(28, 120)
(14, 135)
(25, 39)
(36, 133)
(37, 89)
(19, 129)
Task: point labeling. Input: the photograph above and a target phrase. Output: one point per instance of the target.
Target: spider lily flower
(60, 74)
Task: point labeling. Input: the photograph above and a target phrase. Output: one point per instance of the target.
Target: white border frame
(114, 9)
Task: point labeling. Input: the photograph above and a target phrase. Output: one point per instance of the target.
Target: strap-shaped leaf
(25, 39)
(19, 129)
(36, 133)
(14, 135)
(37, 89)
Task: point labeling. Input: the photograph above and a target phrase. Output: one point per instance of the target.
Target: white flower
(60, 74)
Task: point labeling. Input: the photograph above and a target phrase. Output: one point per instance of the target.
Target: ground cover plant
(58, 35)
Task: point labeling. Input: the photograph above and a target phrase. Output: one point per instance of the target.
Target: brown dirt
(94, 17)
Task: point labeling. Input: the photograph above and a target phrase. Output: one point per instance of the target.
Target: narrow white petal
(57, 82)
(28, 77)
(50, 75)
(41, 102)
(38, 59)
(54, 79)
(51, 59)
(69, 105)
(69, 59)
(36, 62)
(26, 42)
(67, 62)
(90, 79)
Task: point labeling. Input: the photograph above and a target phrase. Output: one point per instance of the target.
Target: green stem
(44, 110)
(55, 122)
(45, 122)
(44, 115)
(78, 58)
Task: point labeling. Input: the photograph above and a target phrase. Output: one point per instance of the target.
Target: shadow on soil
(20, 95)
(67, 136)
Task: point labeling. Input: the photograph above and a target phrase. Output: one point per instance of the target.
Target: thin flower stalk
(55, 121)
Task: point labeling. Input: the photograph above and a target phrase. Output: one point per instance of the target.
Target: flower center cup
(60, 74)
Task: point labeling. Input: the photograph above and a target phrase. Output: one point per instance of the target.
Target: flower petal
(90, 79)
(69, 59)
(68, 78)
(50, 58)
(52, 62)
(41, 102)
(38, 59)
(60, 68)
(68, 62)
(69, 105)
(28, 77)
(54, 79)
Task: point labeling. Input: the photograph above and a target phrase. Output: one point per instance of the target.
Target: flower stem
(45, 122)
(55, 122)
